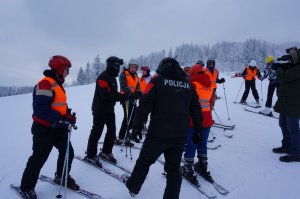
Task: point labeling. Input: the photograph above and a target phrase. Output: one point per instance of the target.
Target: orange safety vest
(143, 84)
(60, 98)
(131, 82)
(251, 74)
(204, 94)
(213, 77)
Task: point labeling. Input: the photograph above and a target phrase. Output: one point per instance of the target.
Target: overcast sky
(31, 31)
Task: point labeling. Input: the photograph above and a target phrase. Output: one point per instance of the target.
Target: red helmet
(59, 63)
(146, 68)
(197, 68)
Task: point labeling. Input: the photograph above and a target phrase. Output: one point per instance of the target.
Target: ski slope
(245, 164)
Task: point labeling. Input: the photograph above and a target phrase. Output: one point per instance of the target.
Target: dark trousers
(44, 138)
(248, 85)
(126, 118)
(290, 133)
(99, 120)
(153, 147)
(271, 89)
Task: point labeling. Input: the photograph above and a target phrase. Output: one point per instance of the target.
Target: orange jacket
(213, 77)
(131, 82)
(60, 98)
(143, 84)
(204, 94)
(251, 74)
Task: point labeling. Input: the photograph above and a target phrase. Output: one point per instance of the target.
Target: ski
(17, 190)
(214, 147)
(223, 127)
(81, 192)
(116, 165)
(199, 188)
(217, 186)
(250, 105)
(260, 113)
(194, 182)
(103, 169)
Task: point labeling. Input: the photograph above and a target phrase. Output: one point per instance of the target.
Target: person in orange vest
(249, 74)
(51, 117)
(213, 74)
(145, 78)
(129, 83)
(203, 87)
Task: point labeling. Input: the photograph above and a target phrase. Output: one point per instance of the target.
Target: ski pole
(212, 135)
(218, 117)
(226, 102)
(262, 97)
(65, 167)
(239, 90)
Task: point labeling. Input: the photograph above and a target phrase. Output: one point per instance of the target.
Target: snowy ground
(245, 164)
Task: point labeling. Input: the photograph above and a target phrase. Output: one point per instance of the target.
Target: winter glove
(222, 80)
(70, 119)
(136, 135)
(124, 97)
(197, 136)
(137, 94)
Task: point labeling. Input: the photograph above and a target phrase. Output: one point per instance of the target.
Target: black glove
(197, 137)
(137, 94)
(222, 80)
(124, 97)
(69, 118)
(136, 135)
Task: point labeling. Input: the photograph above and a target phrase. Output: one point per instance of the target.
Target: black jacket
(106, 93)
(171, 100)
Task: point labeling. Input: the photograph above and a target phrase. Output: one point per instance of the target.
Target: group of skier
(171, 131)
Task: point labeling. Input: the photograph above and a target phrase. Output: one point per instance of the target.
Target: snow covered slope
(245, 164)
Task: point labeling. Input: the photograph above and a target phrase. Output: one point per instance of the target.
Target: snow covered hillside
(244, 164)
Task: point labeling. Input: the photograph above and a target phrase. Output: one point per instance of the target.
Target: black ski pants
(99, 120)
(131, 107)
(271, 88)
(248, 85)
(44, 138)
(153, 147)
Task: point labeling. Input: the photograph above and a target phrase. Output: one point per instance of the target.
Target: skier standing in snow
(170, 99)
(273, 83)
(249, 74)
(213, 74)
(288, 105)
(51, 116)
(202, 85)
(145, 78)
(129, 83)
(105, 97)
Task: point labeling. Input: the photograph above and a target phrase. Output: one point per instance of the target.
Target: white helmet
(252, 63)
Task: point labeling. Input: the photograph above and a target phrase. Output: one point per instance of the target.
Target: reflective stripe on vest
(131, 82)
(60, 98)
(143, 84)
(204, 94)
(250, 74)
(213, 77)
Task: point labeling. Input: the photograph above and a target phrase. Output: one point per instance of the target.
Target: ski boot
(201, 168)
(188, 172)
(70, 182)
(280, 150)
(289, 158)
(109, 157)
(257, 102)
(119, 141)
(267, 111)
(95, 161)
(28, 194)
(243, 102)
(125, 179)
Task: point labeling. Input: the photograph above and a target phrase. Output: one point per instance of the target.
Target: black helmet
(166, 63)
(210, 61)
(113, 65)
(200, 62)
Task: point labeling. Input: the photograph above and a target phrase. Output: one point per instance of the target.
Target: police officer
(171, 100)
